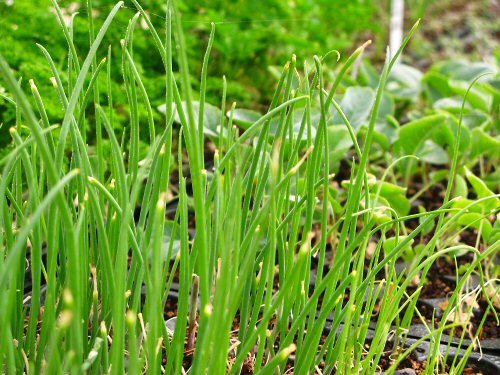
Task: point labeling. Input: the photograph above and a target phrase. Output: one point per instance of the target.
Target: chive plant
(98, 303)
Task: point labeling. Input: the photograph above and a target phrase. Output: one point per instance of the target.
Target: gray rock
(406, 371)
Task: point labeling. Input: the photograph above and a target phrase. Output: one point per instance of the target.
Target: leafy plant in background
(420, 115)
(251, 37)
(268, 30)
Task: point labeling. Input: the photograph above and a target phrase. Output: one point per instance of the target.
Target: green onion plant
(245, 302)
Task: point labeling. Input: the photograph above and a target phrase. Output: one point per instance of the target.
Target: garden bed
(351, 227)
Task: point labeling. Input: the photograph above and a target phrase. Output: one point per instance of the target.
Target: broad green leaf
(414, 115)
(244, 117)
(405, 82)
(369, 76)
(391, 242)
(356, 105)
(468, 71)
(449, 66)
(386, 124)
(461, 189)
(494, 85)
(429, 226)
(211, 117)
(381, 139)
(381, 214)
(482, 191)
(452, 104)
(389, 128)
(438, 176)
(492, 180)
(477, 221)
(495, 232)
(475, 119)
(339, 143)
(432, 153)
(338, 139)
(483, 143)
(461, 70)
(465, 202)
(297, 122)
(445, 136)
(436, 86)
(395, 195)
(414, 133)
(476, 98)
(387, 108)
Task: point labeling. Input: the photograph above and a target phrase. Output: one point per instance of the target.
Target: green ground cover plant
(251, 37)
(316, 187)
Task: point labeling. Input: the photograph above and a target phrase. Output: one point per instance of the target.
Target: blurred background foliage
(251, 38)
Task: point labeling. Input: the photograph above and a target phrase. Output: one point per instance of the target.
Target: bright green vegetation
(266, 213)
(252, 37)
